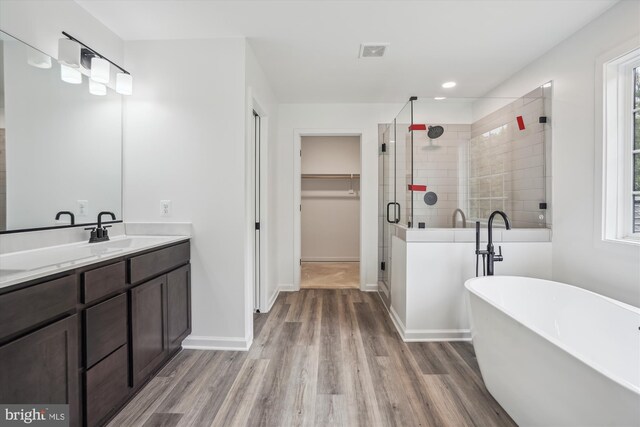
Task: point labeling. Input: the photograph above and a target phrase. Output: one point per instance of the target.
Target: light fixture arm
(70, 37)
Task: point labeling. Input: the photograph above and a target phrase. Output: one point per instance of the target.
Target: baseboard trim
(272, 300)
(195, 342)
(427, 335)
(274, 297)
(370, 287)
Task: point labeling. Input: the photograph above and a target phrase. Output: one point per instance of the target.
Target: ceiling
(309, 48)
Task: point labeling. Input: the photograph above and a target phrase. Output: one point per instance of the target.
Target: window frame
(618, 147)
(632, 150)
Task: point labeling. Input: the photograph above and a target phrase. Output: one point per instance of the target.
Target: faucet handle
(499, 257)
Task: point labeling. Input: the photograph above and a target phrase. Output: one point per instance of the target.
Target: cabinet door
(148, 327)
(42, 367)
(178, 306)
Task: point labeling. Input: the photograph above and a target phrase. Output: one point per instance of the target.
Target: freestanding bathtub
(556, 355)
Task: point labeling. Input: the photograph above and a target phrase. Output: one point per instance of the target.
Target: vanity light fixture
(38, 59)
(96, 88)
(70, 75)
(124, 83)
(449, 85)
(69, 52)
(97, 66)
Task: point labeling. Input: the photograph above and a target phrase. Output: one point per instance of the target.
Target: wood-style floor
(330, 275)
(320, 358)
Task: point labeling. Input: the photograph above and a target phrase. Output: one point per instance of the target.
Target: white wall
(579, 256)
(185, 142)
(330, 218)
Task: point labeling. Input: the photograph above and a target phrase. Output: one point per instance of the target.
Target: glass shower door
(389, 210)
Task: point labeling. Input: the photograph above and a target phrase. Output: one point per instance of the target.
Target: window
(621, 219)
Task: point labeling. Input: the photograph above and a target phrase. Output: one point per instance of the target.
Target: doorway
(330, 212)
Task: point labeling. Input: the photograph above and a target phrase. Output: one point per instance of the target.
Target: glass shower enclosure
(445, 163)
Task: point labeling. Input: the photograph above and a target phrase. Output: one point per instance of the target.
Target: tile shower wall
(507, 165)
(441, 165)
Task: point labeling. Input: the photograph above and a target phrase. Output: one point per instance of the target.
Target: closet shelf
(330, 176)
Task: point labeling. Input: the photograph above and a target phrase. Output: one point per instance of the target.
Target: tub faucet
(491, 253)
(464, 218)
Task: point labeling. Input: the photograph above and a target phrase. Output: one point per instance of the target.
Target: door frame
(297, 198)
(255, 105)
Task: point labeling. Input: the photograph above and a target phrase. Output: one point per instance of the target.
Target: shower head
(435, 132)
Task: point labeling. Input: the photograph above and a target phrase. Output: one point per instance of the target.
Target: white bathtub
(556, 355)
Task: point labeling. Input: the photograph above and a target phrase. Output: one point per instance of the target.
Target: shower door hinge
(300, 207)
(300, 261)
(384, 148)
(383, 266)
(300, 152)
(257, 226)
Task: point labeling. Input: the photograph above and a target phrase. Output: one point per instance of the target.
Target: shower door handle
(396, 218)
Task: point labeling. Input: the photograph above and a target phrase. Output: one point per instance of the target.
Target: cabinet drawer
(107, 384)
(24, 308)
(103, 281)
(148, 265)
(105, 328)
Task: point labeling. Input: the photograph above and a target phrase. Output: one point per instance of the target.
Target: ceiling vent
(373, 50)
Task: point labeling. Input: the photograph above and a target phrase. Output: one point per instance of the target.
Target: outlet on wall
(83, 207)
(165, 207)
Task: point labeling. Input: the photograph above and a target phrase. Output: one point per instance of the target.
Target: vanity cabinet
(42, 367)
(95, 336)
(148, 327)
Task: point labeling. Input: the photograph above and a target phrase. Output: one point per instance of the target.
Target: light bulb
(100, 70)
(96, 88)
(38, 59)
(69, 53)
(70, 75)
(124, 83)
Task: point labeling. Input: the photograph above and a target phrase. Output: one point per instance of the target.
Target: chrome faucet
(462, 215)
(490, 254)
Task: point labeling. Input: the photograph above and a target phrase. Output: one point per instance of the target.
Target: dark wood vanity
(92, 337)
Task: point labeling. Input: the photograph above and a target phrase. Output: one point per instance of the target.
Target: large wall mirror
(60, 146)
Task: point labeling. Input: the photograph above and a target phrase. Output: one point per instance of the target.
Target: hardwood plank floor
(326, 358)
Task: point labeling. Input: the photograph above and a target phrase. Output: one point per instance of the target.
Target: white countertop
(18, 267)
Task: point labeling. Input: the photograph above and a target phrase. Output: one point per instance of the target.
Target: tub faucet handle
(498, 257)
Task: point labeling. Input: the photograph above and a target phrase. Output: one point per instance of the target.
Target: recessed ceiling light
(449, 85)
(440, 98)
